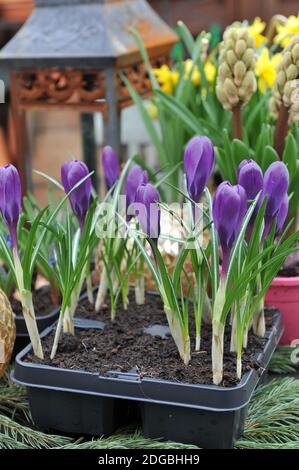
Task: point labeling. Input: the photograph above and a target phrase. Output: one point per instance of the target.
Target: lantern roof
(86, 33)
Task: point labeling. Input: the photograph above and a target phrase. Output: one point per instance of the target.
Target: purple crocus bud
(147, 211)
(110, 166)
(276, 183)
(71, 173)
(282, 214)
(199, 160)
(10, 199)
(250, 176)
(229, 209)
(135, 178)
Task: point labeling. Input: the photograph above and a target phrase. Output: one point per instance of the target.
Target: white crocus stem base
(30, 320)
(139, 290)
(218, 334)
(233, 338)
(68, 317)
(245, 337)
(68, 322)
(89, 289)
(217, 352)
(102, 290)
(207, 311)
(27, 308)
(58, 333)
(181, 340)
(239, 367)
(259, 325)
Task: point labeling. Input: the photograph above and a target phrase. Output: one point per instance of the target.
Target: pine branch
(25, 437)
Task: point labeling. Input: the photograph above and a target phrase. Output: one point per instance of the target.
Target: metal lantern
(69, 54)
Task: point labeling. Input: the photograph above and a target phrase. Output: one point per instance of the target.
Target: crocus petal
(147, 211)
(250, 176)
(135, 178)
(10, 198)
(110, 166)
(229, 208)
(71, 173)
(276, 183)
(199, 160)
(282, 214)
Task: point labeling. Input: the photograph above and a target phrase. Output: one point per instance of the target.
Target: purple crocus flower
(276, 183)
(250, 176)
(199, 160)
(135, 178)
(110, 166)
(10, 200)
(147, 211)
(71, 173)
(282, 214)
(229, 209)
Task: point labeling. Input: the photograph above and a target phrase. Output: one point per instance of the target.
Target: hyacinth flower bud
(10, 200)
(110, 166)
(236, 81)
(282, 214)
(147, 211)
(135, 178)
(71, 173)
(276, 183)
(250, 177)
(229, 209)
(199, 160)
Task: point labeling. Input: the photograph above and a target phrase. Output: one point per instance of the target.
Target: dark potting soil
(42, 301)
(123, 345)
(291, 266)
(290, 271)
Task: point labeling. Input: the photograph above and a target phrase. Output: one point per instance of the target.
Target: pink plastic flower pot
(284, 295)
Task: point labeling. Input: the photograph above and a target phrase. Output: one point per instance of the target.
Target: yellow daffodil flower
(164, 76)
(287, 30)
(255, 30)
(195, 73)
(265, 69)
(210, 71)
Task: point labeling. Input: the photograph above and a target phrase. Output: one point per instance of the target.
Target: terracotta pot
(284, 295)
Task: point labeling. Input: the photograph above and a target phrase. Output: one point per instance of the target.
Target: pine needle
(13, 399)
(15, 436)
(127, 440)
(273, 417)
